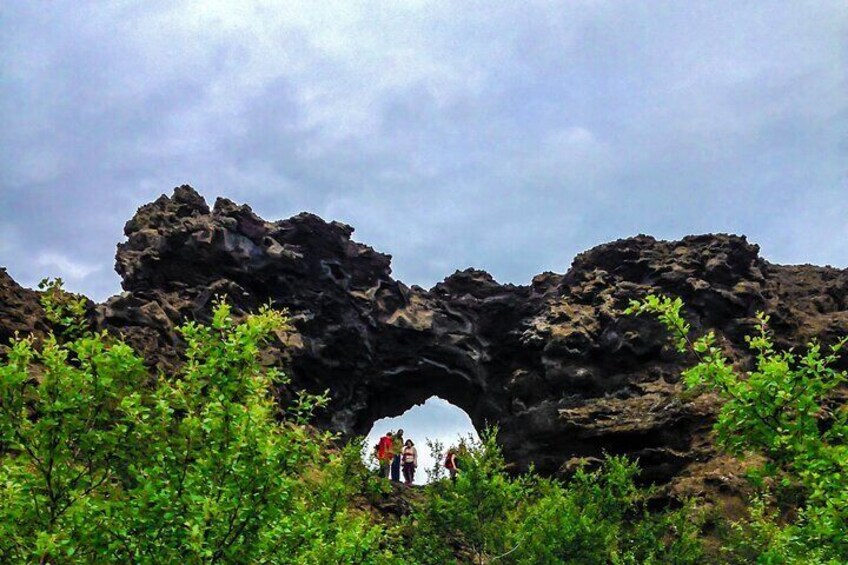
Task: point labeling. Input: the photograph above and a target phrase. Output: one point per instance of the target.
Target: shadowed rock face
(555, 364)
(20, 310)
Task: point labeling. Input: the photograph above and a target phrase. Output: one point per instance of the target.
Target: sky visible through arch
(436, 419)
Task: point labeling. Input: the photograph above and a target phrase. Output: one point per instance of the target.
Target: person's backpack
(448, 463)
(384, 448)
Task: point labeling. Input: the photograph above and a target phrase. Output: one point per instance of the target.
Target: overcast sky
(505, 136)
(434, 420)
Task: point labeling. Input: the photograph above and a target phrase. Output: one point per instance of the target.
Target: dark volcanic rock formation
(20, 310)
(555, 364)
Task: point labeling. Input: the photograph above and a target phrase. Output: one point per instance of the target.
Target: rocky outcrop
(20, 310)
(555, 364)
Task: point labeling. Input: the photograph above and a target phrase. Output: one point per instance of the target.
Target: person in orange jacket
(385, 454)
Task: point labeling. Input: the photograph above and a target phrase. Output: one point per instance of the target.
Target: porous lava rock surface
(555, 364)
(20, 310)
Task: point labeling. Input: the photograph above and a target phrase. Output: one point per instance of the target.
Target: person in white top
(409, 457)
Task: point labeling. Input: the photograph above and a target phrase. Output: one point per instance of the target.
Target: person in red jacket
(450, 463)
(385, 454)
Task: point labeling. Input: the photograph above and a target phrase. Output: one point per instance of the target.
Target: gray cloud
(449, 134)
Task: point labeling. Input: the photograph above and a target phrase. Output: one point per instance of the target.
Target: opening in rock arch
(435, 419)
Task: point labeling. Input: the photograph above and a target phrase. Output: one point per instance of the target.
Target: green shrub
(99, 465)
(489, 516)
(782, 409)
(101, 462)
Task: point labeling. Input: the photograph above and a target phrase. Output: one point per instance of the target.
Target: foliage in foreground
(783, 410)
(489, 516)
(97, 465)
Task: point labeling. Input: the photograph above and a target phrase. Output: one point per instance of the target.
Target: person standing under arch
(397, 448)
(450, 463)
(409, 458)
(385, 454)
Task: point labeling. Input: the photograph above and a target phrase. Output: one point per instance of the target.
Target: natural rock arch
(553, 363)
(406, 390)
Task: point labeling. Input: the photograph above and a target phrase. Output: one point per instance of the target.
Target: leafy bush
(488, 516)
(98, 465)
(101, 462)
(782, 409)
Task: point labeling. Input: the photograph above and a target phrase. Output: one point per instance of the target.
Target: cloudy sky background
(450, 134)
(505, 136)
